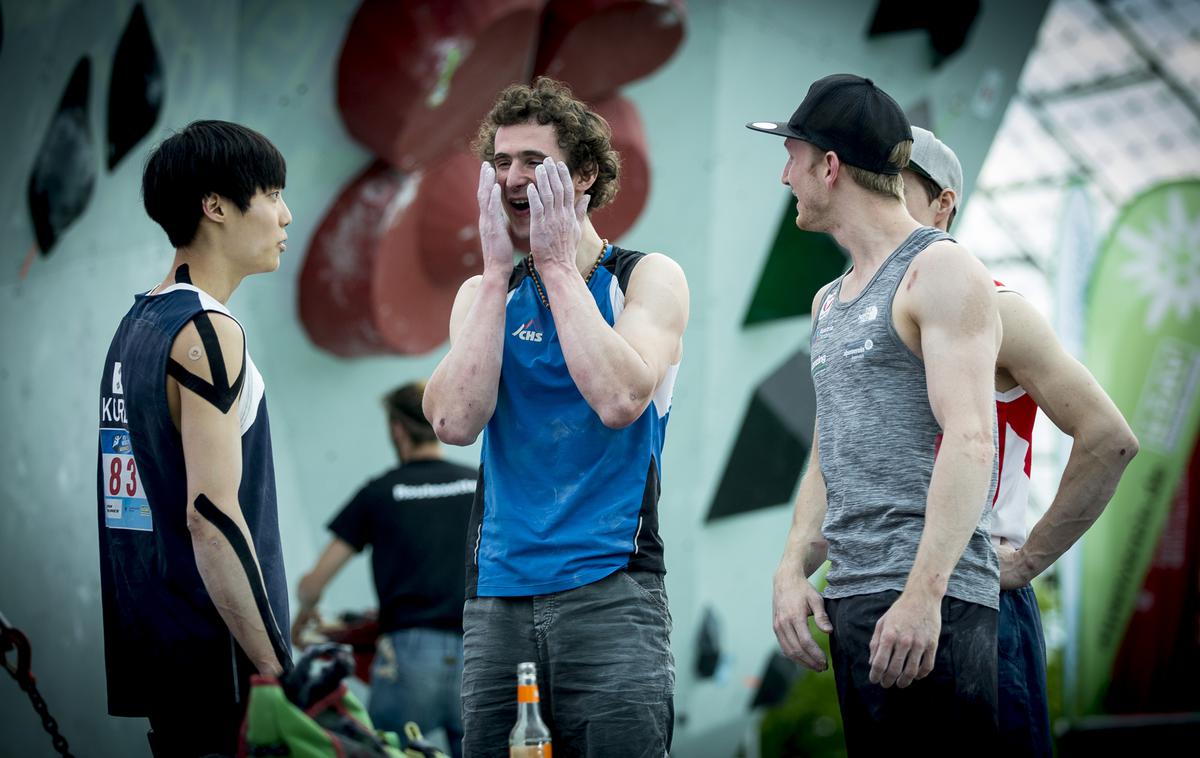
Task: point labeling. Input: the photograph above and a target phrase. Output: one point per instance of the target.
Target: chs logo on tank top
(563, 500)
(527, 333)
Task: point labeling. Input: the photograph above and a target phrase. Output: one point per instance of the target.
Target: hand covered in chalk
(493, 224)
(555, 216)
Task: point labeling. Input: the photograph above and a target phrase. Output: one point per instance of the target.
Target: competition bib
(125, 504)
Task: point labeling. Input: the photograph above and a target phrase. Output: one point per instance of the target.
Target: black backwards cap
(850, 116)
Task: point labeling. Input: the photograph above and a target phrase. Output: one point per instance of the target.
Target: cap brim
(916, 169)
(772, 127)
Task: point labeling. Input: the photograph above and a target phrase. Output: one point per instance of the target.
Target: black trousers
(952, 711)
(200, 732)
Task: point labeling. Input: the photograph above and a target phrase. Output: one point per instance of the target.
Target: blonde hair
(884, 184)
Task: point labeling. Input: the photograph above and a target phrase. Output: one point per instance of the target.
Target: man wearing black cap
(902, 472)
(1033, 370)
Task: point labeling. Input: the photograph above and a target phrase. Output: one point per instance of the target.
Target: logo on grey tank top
(819, 363)
(856, 349)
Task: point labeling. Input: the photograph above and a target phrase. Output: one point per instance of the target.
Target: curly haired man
(566, 363)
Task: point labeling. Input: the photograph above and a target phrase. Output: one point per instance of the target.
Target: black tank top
(165, 644)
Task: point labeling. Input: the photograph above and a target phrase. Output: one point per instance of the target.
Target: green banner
(1143, 345)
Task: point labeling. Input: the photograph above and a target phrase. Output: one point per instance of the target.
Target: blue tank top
(563, 500)
(165, 644)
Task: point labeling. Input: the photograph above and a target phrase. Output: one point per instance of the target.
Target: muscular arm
(1102, 442)
(954, 306)
(618, 368)
(460, 396)
(794, 597)
(806, 549)
(312, 585)
(952, 301)
(212, 449)
(810, 515)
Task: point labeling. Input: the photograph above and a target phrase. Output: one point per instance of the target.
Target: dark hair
(403, 406)
(932, 192)
(583, 135)
(207, 157)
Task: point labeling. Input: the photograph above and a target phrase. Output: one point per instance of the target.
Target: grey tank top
(878, 439)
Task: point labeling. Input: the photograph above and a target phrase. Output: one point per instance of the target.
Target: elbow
(974, 447)
(620, 415)
(450, 428)
(454, 430)
(195, 521)
(198, 525)
(1122, 447)
(978, 445)
(452, 434)
(1108, 441)
(988, 450)
(1127, 446)
(308, 591)
(627, 405)
(818, 553)
(209, 529)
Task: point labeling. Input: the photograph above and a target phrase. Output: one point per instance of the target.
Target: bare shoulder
(657, 270)
(657, 294)
(950, 259)
(462, 304)
(1028, 337)
(657, 278)
(1015, 309)
(470, 285)
(946, 268)
(210, 342)
(946, 284)
(466, 295)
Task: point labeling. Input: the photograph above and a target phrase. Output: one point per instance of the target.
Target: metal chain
(13, 639)
(48, 723)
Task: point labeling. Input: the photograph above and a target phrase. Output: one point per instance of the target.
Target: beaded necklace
(537, 280)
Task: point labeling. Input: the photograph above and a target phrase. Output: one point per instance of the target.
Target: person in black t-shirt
(415, 517)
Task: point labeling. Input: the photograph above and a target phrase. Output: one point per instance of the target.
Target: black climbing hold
(136, 88)
(64, 173)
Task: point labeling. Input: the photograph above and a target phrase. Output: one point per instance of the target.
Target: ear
(213, 207)
(945, 203)
(833, 167)
(584, 180)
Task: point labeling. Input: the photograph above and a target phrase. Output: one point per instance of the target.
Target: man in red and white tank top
(1015, 414)
(1032, 370)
